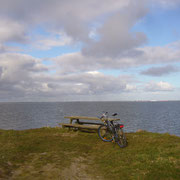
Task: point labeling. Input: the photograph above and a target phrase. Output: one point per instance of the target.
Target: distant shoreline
(87, 101)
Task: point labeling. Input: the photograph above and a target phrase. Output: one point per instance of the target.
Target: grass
(46, 152)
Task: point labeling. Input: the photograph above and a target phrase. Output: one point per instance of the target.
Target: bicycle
(111, 131)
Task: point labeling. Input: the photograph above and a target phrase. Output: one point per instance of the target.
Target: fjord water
(159, 117)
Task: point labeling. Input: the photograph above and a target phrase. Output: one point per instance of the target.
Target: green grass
(44, 153)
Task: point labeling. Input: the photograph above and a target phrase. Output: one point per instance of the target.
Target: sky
(89, 50)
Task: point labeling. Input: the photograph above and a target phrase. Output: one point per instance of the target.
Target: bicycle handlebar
(105, 115)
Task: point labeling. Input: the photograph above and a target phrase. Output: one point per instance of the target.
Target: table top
(90, 118)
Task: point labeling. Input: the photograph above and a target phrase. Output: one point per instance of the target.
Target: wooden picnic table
(84, 124)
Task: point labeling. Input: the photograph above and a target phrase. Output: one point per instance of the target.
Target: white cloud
(71, 16)
(158, 86)
(5, 48)
(115, 36)
(16, 74)
(78, 62)
(130, 87)
(93, 83)
(53, 40)
(167, 3)
(11, 30)
(72, 63)
(104, 30)
(22, 76)
(163, 54)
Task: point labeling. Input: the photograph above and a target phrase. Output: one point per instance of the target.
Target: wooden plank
(80, 126)
(93, 123)
(89, 118)
(82, 117)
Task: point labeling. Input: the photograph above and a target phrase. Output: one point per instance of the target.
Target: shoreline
(58, 127)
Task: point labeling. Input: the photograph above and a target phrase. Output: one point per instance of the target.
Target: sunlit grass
(44, 153)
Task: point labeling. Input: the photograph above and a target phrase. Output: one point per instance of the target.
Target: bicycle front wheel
(121, 138)
(105, 134)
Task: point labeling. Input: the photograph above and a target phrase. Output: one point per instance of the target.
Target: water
(159, 117)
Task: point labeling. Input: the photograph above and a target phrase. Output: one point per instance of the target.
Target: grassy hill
(55, 153)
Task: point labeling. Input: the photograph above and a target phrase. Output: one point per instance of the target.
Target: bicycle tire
(121, 138)
(105, 134)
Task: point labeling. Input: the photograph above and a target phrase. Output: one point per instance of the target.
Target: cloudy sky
(91, 50)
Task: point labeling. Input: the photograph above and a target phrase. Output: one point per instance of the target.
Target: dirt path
(79, 169)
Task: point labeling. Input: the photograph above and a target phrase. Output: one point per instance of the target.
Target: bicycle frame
(115, 130)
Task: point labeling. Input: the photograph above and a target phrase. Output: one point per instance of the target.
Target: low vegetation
(55, 153)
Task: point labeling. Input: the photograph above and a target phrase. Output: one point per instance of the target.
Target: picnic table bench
(84, 124)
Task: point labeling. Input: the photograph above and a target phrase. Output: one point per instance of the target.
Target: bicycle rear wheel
(105, 134)
(121, 138)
